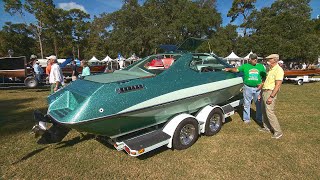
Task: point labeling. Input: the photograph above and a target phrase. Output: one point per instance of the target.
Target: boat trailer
(181, 131)
(299, 80)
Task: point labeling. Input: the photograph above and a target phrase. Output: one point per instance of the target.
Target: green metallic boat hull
(126, 101)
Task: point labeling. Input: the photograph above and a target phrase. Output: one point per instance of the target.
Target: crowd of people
(53, 72)
(296, 65)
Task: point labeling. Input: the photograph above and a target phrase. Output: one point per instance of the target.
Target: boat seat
(167, 62)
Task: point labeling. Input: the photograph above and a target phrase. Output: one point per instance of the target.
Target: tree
(16, 37)
(80, 28)
(243, 8)
(43, 10)
(285, 28)
(141, 29)
(223, 41)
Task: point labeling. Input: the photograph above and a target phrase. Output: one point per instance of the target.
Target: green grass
(238, 151)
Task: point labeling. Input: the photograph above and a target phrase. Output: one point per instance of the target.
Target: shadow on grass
(12, 119)
(252, 114)
(22, 87)
(75, 141)
(104, 141)
(228, 120)
(29, 155)
(153, 153)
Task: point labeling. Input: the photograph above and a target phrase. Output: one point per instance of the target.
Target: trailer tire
(31, 82)
(300, 82)
(213, 122)
(186, 134)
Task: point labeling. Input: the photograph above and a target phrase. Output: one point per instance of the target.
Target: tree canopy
(285, 27)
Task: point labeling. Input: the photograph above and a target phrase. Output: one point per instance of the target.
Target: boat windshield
(154, 64)
(207, 63)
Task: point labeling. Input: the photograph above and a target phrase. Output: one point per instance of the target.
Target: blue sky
(96, 7)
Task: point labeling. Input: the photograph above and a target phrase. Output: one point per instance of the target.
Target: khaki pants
(269, 118)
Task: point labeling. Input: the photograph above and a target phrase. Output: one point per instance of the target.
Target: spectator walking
(254, 75)
(56, 76)
(48, 68)
(74, 71)
(36, 68)
(270, 90)
(85, 68)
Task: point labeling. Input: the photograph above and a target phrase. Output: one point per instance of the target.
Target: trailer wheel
(186, 134)
(214, 122)
(300, 82)
(31, 82)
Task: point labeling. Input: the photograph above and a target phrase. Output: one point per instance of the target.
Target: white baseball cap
(52, 57)
(33, 56)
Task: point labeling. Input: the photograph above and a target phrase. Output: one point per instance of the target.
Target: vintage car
(15, 69)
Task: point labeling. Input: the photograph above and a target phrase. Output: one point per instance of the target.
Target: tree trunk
(78, 51)
(55, 46)
(38, 32)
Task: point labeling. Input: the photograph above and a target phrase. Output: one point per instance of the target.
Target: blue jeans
(250, 93)
(38, 77)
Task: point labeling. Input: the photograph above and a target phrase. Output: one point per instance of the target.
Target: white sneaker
(276, 135)
(246, 121)
(264, 129)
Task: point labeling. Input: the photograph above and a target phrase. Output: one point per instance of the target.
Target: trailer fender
(202, 116)
(171, 126)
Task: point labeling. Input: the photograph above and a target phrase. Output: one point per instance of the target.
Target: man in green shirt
(253, 76)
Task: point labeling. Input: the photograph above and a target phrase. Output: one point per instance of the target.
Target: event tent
(106, 59)
(93, 60)
(247, 57)
(233, 59)
(233, 56)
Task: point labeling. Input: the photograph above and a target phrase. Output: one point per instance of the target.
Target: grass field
(238, 151)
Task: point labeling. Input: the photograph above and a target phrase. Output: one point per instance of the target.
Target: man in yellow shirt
(270, 90)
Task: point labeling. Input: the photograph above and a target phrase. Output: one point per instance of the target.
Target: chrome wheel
(187, 134)
(31, 82)
(214, 122)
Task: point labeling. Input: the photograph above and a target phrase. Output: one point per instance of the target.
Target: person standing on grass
(36, 68)
(270, 90)
(56, 76)
(254, 75)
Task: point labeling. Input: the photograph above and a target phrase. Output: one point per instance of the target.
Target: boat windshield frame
(140, 66)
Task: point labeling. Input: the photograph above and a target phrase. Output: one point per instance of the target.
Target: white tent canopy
(93, 60)
(247, 57)
(233, 56)
(106, 59)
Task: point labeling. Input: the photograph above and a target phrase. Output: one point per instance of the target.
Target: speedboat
(143, 95)
(302, 72)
